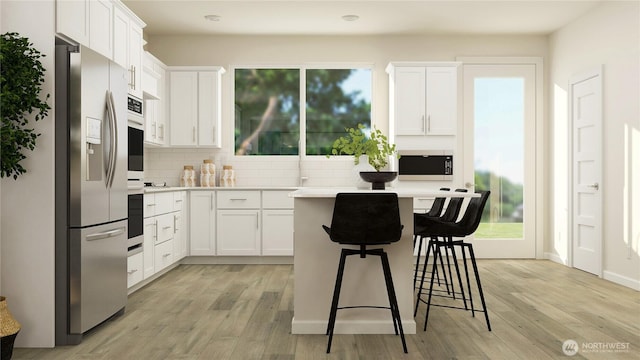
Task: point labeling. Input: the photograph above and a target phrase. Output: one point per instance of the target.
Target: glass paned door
(499, 117)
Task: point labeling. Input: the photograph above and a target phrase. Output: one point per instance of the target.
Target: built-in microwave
(425, 165)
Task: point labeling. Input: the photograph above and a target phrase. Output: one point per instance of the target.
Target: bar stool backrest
(365, 219)
(438, 205)
(471, 218)
(453, 209)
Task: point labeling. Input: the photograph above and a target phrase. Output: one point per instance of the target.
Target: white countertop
(328, 192)
(154, 189)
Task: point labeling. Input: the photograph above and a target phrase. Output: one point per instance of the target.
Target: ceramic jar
(207, 174)
(228, 178)
(188, 176)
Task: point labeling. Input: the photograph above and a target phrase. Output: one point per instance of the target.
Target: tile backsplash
(166, 164)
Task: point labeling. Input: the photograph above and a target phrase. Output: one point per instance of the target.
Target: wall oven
(136, 139)
(136, 216)
(425, 165)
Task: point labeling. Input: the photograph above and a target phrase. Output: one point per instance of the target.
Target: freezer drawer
(97, 274)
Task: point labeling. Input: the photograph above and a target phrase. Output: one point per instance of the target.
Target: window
(268, 105)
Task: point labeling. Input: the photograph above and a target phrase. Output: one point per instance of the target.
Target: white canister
(207, 174)
(188, 176)
(228, 178)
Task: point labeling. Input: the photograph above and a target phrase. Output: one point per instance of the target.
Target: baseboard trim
(621, 280)
(351, 327)
(556, 258)
(237, 260)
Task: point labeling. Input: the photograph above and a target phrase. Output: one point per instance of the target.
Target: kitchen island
(316, 260)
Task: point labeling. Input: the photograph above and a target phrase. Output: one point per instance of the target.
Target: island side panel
(316, 260)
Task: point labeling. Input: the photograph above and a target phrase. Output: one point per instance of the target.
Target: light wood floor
(244, 312)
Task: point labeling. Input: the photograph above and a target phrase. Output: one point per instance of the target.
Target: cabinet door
(135, 265)
(441, 95)
(150, 234)
(120, 37)
(208, 109)
(135, 59)
(165, 228)
(277, 232)
(101, 27)
(409, 102)
(72, 19)
(183, 107)
(202, 223)
(150, 125)
(238, 232)
(163, 255)
(180, 226)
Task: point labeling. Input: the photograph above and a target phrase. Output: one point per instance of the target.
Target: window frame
(302, 68)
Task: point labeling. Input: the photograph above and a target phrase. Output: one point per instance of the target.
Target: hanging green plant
(21, 79)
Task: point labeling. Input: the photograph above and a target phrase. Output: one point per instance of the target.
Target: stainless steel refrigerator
(91, 190)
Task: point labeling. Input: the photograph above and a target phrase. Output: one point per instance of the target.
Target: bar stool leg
(475, 270)
(415, 273)
(393, 301)
(455, 262)
(336, 297)
(426, 318)
(466, 272)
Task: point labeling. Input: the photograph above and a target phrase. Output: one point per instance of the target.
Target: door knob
(469, 185)
(594, 185)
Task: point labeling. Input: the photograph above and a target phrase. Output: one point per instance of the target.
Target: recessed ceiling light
(350, 17)
(212, 17)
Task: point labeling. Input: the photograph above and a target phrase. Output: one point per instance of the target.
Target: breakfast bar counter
(316, 260)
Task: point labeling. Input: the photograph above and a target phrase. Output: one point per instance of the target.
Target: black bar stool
(365, 219)
(422, 228)
(434, 212)
(465, 227)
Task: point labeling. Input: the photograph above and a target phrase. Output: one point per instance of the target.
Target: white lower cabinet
(135, 265)
(202, 223)
(180, 239)
(150, 234)
(277, 223)
(163, 255)
(277, 232)
(238, 232)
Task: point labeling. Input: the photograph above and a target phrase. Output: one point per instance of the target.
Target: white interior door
(586, 120)
(499, 155)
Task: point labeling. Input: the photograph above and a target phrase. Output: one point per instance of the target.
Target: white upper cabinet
(194, 106)
(153, 89)
(109, 28)
(423, 98)
(101, 27)
(127, 45)
(72, 20)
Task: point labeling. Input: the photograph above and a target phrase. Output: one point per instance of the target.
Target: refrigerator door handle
(106, 234)
(112, 139)
(115, 138)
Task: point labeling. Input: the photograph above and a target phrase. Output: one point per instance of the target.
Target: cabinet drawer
(165, 227)
(149, 205)
(135, 265)
(179, 198)
(277, 199)
(163, 255)
(238, 199)
(164, 202)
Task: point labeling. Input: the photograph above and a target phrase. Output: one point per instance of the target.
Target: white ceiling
(323, 17)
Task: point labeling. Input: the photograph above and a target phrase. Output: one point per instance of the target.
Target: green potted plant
(21, 81)
(377, 149)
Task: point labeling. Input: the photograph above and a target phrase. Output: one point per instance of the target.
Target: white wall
(607, 35)
(378, 51)
(27, 234)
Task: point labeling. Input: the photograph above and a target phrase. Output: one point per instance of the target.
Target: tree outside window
(268, 103)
